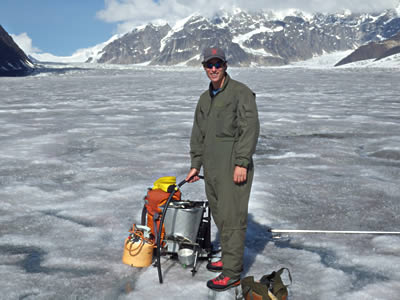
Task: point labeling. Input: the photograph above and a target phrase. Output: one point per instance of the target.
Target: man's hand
(239, 175)
(193, 175)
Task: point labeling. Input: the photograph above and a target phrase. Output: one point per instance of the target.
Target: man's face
(215, 69)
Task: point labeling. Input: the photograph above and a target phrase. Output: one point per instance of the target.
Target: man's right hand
(193, 175)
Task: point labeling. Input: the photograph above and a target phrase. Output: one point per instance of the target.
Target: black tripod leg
(207, 238)
(196, 256)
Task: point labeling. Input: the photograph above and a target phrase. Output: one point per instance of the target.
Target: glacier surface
(79, 146)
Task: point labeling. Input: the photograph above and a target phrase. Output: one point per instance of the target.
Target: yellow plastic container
(137, 254)
(163, 183)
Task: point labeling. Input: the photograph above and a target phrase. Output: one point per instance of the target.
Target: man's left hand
(239, 175)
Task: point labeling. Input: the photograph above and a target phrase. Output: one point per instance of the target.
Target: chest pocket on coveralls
(226, 119)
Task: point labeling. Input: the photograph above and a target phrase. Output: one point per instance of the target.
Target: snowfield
(80, 145)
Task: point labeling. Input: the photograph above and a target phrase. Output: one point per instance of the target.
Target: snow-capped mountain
(13, 61)
(80, 55)
(140, 45)
(250, 38)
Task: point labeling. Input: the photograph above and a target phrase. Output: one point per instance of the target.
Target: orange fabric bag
(154, 202)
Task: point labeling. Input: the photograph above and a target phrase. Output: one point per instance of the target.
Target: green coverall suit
(224, 135)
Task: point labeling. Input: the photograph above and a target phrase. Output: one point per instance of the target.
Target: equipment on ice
(176, 227)
(139, 247)
(269, 287)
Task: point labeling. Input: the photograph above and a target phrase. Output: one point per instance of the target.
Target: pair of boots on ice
(221, 282)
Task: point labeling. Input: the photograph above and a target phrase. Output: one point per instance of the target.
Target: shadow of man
(257, 238)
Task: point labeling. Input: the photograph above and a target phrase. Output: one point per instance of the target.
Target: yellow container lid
(163, 183)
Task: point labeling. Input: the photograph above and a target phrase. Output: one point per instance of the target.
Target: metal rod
(332, 231)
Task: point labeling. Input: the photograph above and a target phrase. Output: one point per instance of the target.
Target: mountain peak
(13, 61)
(261, 38)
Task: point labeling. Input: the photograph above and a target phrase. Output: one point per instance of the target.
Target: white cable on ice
(332, 231)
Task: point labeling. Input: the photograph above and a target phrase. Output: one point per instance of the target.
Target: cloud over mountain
(131, 13)
(25, 43)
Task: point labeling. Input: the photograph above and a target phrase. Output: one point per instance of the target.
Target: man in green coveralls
(224, 137)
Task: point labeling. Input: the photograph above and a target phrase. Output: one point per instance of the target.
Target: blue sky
(56, 26)
(61, 27)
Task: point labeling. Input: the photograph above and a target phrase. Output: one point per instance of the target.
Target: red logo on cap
(214, 51)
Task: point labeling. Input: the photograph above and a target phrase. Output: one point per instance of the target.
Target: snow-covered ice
(80, 145)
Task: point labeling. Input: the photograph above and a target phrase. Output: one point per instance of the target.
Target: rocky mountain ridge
(13, 61)
(250, 38)
(374, 50)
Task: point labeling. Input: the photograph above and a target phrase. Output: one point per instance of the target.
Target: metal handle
(184, 181)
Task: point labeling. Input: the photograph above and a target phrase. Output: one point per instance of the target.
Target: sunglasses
(217, 65)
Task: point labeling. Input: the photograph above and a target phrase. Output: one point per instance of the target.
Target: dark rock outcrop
(13, 61)
(390, 52)
(393, 50)
(374, 50)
